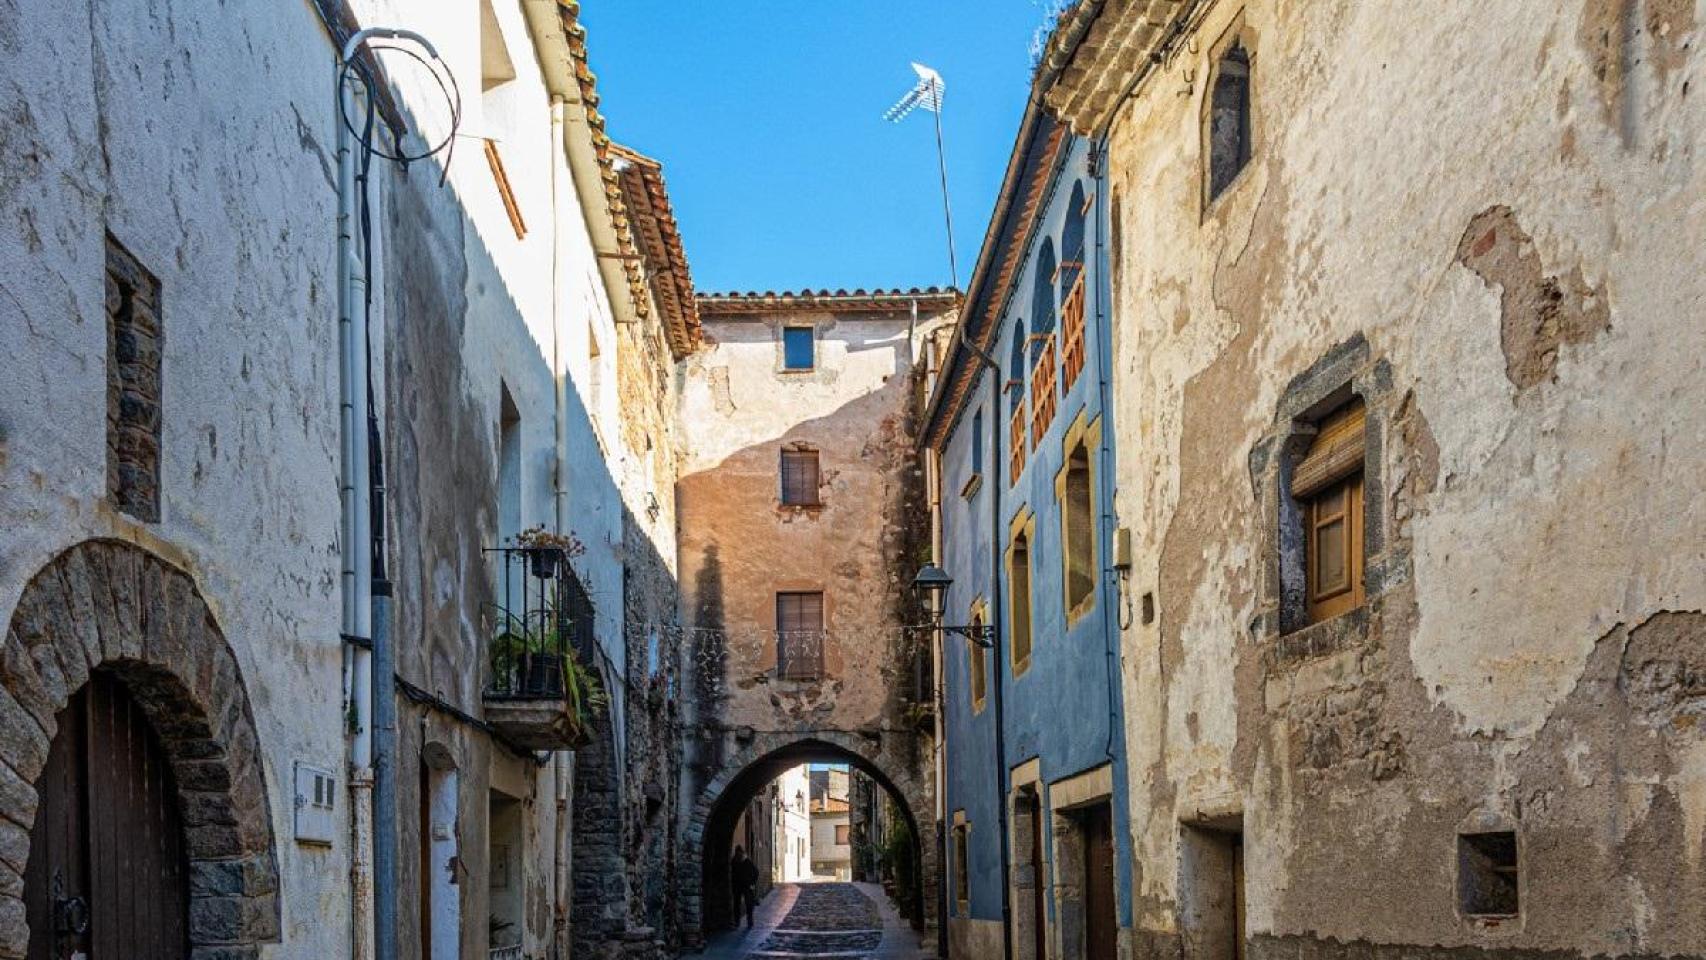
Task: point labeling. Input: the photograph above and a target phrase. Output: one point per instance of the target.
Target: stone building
(171, 457)
(801, 524)
(1407, 382)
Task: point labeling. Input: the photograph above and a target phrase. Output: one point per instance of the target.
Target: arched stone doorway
(113, 613)
(707, 841)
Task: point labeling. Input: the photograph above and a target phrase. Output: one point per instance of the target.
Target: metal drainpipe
(352, 362)
(996, 619)
(564, 761)
(993, 369)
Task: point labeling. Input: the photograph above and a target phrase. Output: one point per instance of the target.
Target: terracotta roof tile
(877, 299)
(653, 221)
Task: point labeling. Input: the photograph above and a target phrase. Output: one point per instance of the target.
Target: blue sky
(767, 116)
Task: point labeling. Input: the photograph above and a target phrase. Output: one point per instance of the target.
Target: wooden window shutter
(1336, 453)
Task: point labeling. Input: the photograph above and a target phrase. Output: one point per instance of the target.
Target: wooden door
(1039, 889)
(107, 875)
(1101, 919)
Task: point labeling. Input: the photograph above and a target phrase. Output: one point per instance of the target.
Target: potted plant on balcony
(546, 549)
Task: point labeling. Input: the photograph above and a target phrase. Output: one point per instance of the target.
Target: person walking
(743, 876)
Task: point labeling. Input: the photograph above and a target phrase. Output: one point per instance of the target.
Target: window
(977, 441)
(799, 348)
(841, 837)
(1072, 290)
(1487, 874)
(962, 873)
(1042, 343)
(800, 479)
(1229, 120)
(1019, 583)
(1075, 489)
(799, 635)
(1018, 435)
(975, 664)
(134, 338)
(1328, 486)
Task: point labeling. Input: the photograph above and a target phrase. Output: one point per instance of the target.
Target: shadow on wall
(860, 545)
(456, 338)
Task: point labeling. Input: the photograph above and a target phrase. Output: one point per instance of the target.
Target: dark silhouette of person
(743, 877)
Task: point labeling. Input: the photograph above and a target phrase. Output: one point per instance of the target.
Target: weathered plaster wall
(739, 546)
(140, 120)
(855, 409)
(1486, 220)
(205, 146)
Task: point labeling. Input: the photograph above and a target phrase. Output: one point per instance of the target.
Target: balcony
(799, 655)
(542, 691)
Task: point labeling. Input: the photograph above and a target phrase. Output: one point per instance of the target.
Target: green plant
(585, 693)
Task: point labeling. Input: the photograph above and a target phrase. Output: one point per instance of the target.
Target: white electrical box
(316, 804)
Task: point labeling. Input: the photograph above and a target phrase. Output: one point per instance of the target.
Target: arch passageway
(707, 901)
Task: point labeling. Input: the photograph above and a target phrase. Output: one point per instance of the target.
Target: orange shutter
(1016, 444)
(1042, 390)
(1072, 335)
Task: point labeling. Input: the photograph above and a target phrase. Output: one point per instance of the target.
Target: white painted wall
(204, 143)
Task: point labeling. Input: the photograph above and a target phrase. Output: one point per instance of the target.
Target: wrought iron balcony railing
(542, 618)
(799, 654)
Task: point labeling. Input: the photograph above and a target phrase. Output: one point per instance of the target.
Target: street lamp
(934, 581)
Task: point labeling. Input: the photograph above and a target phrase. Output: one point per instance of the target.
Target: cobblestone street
(826, 921)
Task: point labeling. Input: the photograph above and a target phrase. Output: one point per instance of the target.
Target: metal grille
(799, 477)
(799, 636)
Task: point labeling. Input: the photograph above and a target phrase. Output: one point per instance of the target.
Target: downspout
(563, 762)
(366, 592)
(996, 619)
(354, 536)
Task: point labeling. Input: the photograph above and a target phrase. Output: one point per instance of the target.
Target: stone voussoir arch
(866, 752)
(112, 606)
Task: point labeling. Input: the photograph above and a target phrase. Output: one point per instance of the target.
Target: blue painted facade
(1064, 710)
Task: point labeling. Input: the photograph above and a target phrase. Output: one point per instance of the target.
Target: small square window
(799, 348)
(1487, 874)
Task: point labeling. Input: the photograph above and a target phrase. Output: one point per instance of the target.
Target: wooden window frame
(1087, 434)
(1331, 471)
(977, 662)
(1043, 378)
(1018, 443)
(960, 852)
(811, 333)
(843, 834)
(790, 492)
(1021, 623)
(505, 191)
(793, 666)
(1072, 335)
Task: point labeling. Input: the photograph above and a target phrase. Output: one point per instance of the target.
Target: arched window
(1042, 294)
(1018, 442)
(1044, 357)
(1072, 242)
(1228, 131)
(1016, 370)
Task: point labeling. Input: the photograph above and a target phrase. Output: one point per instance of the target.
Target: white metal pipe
(352, 489)
(558, 374)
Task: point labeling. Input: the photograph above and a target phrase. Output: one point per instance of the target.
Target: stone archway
(758, 761)
(110, 606)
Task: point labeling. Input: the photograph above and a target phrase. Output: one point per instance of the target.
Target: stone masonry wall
(1478, 219)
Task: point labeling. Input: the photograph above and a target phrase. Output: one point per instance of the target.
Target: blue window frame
(799, 348)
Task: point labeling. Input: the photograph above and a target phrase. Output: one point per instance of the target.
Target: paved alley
(826, 921)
